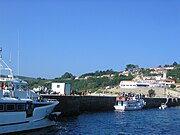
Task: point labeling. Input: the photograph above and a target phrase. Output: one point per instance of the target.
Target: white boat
(20, 108)
(129, 104)
(163, 106)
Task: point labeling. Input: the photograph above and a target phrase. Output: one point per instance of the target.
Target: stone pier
(74, 105)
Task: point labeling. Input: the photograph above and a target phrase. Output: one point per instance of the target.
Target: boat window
(23, 87)
(1, 107)
(10, 107)
(20, 107)
(17, 87)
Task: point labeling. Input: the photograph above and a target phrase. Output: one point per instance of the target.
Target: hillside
(101, 79)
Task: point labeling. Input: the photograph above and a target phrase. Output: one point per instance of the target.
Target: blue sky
(81, 36)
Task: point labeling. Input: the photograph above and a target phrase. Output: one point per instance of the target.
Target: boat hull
(129, 105)
(163, 107)
(24, 126)
(125, 108)
(18, 121)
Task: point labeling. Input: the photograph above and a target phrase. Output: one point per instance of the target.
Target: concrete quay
(156, 102)
(74, 105)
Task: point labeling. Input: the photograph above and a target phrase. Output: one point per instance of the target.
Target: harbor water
(150, 121)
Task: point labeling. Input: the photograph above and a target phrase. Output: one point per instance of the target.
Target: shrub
(151, 93)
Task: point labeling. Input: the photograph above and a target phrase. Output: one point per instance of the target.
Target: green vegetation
(34, 83)
(146, 72)
(101, 79)
(93, 83)
(175, 73)
(133, 68)
(173, 86)
(151, 93)
(99, 73)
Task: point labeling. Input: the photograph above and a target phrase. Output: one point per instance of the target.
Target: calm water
(152, 121)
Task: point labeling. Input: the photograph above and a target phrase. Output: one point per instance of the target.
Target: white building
(167, 81)
(128, 84)
(126, 73)
(61, 88)
(169, 68)
(133, 84)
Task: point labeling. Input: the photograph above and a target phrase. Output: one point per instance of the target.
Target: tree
(173, 86)
(151, 93)
(166, 65)
(175, 64)
(132, 68)
(175, 73)
(146, 72)
(67, 75)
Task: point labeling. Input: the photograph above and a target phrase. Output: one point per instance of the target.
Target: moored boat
(163, 106)
(129, 104)
(20, 108)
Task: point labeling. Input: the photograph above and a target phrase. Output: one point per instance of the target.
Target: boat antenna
(10, 59)
(1, 66)
(18, 56)
(1, 52)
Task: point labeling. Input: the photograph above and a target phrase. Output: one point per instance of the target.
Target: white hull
(129, 105)
(125, 108)
(18, 121)
(27, 126)
(20, 108)
(163, 107)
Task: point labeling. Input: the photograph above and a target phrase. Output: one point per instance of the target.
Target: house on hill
(126, 73)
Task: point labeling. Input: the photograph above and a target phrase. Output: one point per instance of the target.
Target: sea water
(150, 121)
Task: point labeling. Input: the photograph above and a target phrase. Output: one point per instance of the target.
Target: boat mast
(1, 66)
(18, 61)
(5, 67)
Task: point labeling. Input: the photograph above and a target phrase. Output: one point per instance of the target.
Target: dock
(75, 105)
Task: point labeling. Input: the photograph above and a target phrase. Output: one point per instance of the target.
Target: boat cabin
(16, 88)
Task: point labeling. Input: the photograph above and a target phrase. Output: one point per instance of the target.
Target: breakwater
(74, 105)
(156, 102)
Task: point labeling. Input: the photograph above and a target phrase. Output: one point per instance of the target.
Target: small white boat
(20, 108)
(163, 106)
(129, 104)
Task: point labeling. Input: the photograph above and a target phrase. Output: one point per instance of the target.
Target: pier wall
(74, 105)
(156, 102)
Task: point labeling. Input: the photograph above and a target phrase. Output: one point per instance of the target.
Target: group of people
(6, 86)
(132, 95)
